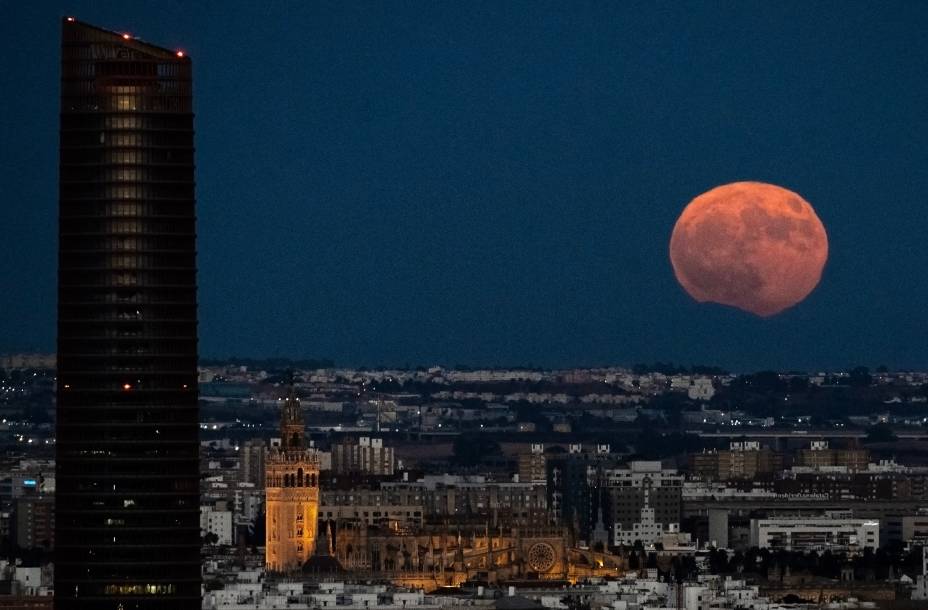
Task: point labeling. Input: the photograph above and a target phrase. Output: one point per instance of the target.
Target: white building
(334, 595)
(701, 388)
(218, 522)
(829, 532)
(646, 530)
(248, 503)
(636, 473)
(645, 501)
(29, 580)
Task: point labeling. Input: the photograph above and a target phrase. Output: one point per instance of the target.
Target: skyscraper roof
(126, 39)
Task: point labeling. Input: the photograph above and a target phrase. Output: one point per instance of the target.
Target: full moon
(750, 245)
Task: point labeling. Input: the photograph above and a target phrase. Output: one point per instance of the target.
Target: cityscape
(653, 486)
(772, 456)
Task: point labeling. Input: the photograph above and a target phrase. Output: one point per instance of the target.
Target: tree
(209, 538)
(718, 561)
(761, 381)
(575, 602)
(652, 560)
(702, 369)
(256, 533)
(829, 565)
(880, 433)
(792, 598)
(859, 377)
(798, 384)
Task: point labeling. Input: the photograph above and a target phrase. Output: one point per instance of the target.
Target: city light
(424, 485)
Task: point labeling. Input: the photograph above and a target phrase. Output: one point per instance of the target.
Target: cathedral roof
(322, 564)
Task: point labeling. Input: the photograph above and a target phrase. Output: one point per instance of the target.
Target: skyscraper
(292, 486)
(127, 499)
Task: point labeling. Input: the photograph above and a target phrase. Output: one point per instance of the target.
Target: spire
(292, 427)
(330, 537)
(600, 532)
(491, 561)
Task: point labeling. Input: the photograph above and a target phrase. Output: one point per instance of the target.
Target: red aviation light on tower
(70, 19)
(126, 36)
(180, 53)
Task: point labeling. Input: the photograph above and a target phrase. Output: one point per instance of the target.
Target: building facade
(292, 486)
(820, 455)
(389, 516)
(35, 523)
(252, 462)
(463, 498)
(742, 460)
(218, 523)
(573, 481)
(366, 456)
(820, 533)
(643, 494)
(127, 499)
(533, 466)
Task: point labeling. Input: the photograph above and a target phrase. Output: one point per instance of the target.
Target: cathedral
(429, 556)
(435, 556)
(292, 486)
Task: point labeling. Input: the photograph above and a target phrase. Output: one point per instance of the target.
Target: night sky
(495, 183)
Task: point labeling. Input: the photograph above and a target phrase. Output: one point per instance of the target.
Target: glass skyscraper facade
(127, 497)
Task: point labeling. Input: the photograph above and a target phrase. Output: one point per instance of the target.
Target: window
(126, 139)
(126, 174)
(123, 122)
(126, 102)
(125, 156)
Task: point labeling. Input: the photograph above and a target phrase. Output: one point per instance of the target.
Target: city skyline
(672, 245)
(440, 184)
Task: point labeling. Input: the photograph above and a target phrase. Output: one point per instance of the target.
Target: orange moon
(750, 245)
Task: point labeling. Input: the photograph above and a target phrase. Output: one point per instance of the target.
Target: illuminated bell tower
(292, 485)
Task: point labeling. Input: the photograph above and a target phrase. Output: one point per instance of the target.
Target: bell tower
(292, 486)
(292, 428)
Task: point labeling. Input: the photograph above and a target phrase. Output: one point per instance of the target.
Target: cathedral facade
(434, 556)
(292, 489)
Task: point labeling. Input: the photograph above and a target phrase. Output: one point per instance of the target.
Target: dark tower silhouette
(127, 498)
